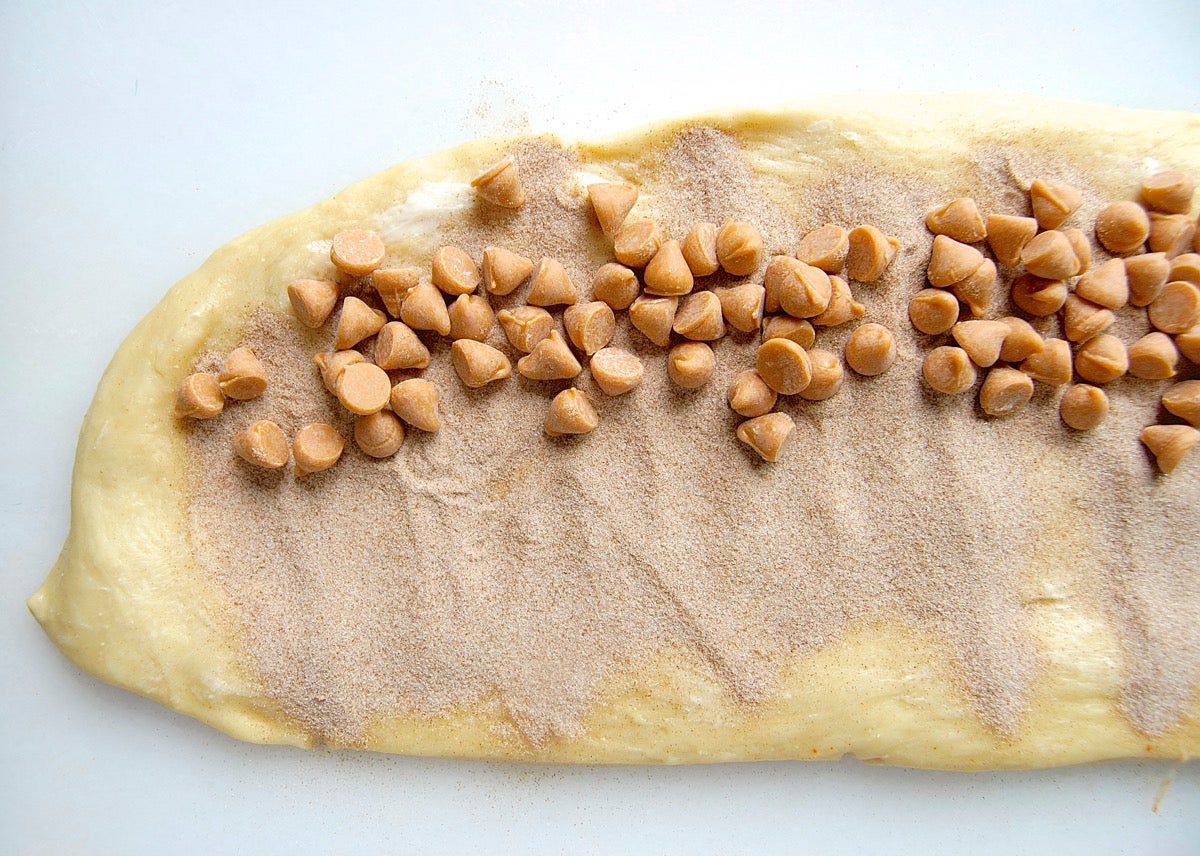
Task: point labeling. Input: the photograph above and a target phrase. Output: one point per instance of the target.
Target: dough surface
(1085, 645)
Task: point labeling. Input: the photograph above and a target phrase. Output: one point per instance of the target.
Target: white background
(136, 139)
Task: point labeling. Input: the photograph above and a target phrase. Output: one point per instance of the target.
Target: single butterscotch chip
(331, 365)
(668, 274)
(1083, 407)
(871, 349)
(590, 326)
(691, 364)
(739, 248)
(1177, 307)
(612, 202)
(982, 340)
(397, 347)
(616, 371)
(1170, 444)
(1186, 268)
(500, 184)
(393, 285)
(416, 402)
(1081, 246)
(951, 261)
(1101, 359)
(312, 300)
(357, 251)
(551, 285)
(742, 306)
(263, 444)
(379, 435)
(870, 252)
(1021, 342)
(550, 359)
(1171, 234)
(200, 397)
(1038, 296)
(826, 248)
(1051, 365)
(504, 270)
(933, 311)
(525, 326)
(750, 396)
(425, 309)
(1007, 235)
(1183, 400)
(799, 330)
(1053, 202)
(571, 412)
(616, 285)
(699, 317)
(454, 271)
(478, 364)
(959, 219)
(827, 376)
(784, 366)
(363, 388)
(766, 434)
(471, 317)
(637, 242)
(1122, 227)
(357, 321)
(802, 291)
(700, 249)
(1153, 357)
(1168, 192)
(1146, 274)
(317, 447)
(1005, 391)
(242, 375)
(842, 305)
(1050, 256)
(1106, 286)
(1188, 344)
(1082, 319)
(978, 290)
(949, 370)
(654, 317)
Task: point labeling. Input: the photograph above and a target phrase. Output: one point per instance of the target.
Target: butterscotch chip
(654, 317)
(242, 375)
(1183, 400)
(842, 305)
(1021, 342)
(478, 364)
(590, 326)
(1038, 296)
(332, 364)
(767, 434)
(471, 317)
(199, 397)
(699, 317)
(1101, 359)
(500, 184)
(1050, 256)
(784, 366)
(951, 261)
(1081, 246)
(742, 306)
(551, 285)
(1177, 307)
(393, 285)
(525, 326)
(379, 435)
(363, 388)
(616, 371)
(312, 300)
(1171, 234)
(700, 249)
(933, 311)
(1083, 407)
(504, 270)
(799, 330)
(357, 321)
(357, 251)
(668, 274)
(739, 248)
(1051, 365)
(1106, 286)
(749, 395)
(637, 242)
(550, 359)
(1053, 202)
(416, 402)
(1153, 357)
(1122, 227)
(959, 219)
(262, 444)
(571, 412)
(1082, 319)
(803, 291)
(1005, 391)
(982, 340)
(454, 271)
(397, 347)
(871, 251)
(871, 349)
(1168, 192)
(316, 447)
(949, 370)
(612, 202)
(978, 290)
(616, 285)
(826, 248)
(1186, 268)
(1170, 444)
(691, 364)
(425, 309)
(1007, 236)
(1188, 344)
(1147, 274)
(827, 375)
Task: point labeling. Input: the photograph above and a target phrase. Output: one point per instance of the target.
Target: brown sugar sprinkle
(357, 252)
(316, 447)
(313, 300)
(200, 397)
(500, 184)
(826, 248)
(1007, 235)
(392, 285)
(504, 271)
(958, 219)
(242, 375)
(611, 203)
(1053, 202)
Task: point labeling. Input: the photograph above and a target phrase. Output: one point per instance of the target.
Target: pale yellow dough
(125, 601)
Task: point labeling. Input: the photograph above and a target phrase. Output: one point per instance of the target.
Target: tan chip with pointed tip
(1170, 444)
(842, 306)
(1188, 343)
(425, 309)
(1007, 235)
(870, 252)
(803, 291)
(500, 184)
(416, 402)
(316, 448)
(1081, 247)
(200, 397)
(690, 365)
(933, 311)
(784, 366)
(1021, 342)
(1052, 364)
(827, 376)
(1183, 400)
(358, 321)
(477, 364)
(668, 274)
(799, 330)
(959, 219)
(616, 371)
(949, 370)
(1106, 286)
(1186, 268)
(503, 270)
(471, 317)
(982, 340)
(1083, 319)
(1083, 407)
(379, 435)
(1177, 307)
(550, 359)
(767, 434)
(699, 317)
(1168, 192)
(262, 444)
(397, 347)
(871, 349)
(1050, 256)
(616, 285)
(739, 247)
(1005, 391)
(612, 202)
(571, 412)
(242, 375)
(637, 242)
(951, 261)
(826, 248)
(312, 300)
(590, 326)
(1038, 296)
(1171, 233)
(1053, 202)
(363, 388)
(654, 317)
(525, 326)
(454, 271)
(978, 290)
(1153, 357)
(551, 285)
(742, 306)
(749, 395)
(331, 365)
(1146, 274)
(700, 249)
(1122, 227)
(392, 285)
(357, 252)
(1101, 359)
